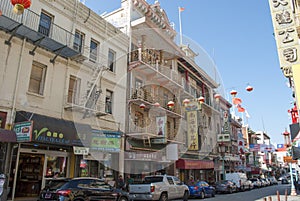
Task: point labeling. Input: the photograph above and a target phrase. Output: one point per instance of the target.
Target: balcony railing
(153, 59)
(27, 25)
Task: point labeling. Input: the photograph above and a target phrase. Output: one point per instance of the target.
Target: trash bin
(2, 187)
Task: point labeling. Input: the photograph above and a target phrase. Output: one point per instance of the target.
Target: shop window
(56, 164)
(3, 119)
(45, 24)
(73, 91)
(37, 78)
(108, 102)
(111, 60)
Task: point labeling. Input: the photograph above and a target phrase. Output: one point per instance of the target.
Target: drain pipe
(12, 114)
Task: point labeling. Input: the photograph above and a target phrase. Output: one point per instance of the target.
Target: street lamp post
(222, 149)
(288, 145)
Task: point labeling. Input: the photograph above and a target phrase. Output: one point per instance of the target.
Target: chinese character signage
(104, 140)
(192, 126)
(80, 150)
(23, 131)
(161, 126)
(285, 34)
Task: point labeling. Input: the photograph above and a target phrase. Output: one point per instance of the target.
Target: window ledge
(35, 94)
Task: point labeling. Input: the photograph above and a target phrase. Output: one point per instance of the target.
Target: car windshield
(56, 183)
(153, 179)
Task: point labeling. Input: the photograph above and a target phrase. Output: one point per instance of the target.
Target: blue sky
(238, 36)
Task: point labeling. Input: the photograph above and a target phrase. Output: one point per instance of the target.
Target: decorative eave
(156, 15)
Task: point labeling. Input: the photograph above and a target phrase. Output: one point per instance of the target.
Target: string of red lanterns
(20, 5)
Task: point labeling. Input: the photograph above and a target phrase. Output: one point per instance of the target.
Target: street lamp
(288, 146)
(222, 150)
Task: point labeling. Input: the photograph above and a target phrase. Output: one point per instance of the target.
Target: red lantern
(170, 104)
(201, 99)
(20, 5)
(156, 104)
(217, 97)
(186, 102)
(249, 88)
(233, 93)
(142, 106)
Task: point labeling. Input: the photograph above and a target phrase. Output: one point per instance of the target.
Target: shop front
(141, 164)
(45, 147)
(102, 159)
(199, 169)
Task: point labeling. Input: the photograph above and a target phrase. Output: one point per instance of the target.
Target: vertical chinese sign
(285, 34)
(192, 130)
(287, 40)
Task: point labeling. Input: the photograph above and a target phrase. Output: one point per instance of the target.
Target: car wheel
(163, 197)
(202, 195)
(123, 199)
(186, 196)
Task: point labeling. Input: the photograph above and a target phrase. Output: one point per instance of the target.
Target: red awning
(194, 164)
(7, 136)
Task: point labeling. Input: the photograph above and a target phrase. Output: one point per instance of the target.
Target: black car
(81, 189)
(225, 186)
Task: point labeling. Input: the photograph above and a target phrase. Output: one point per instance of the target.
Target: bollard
(285, 195)
(278, 196)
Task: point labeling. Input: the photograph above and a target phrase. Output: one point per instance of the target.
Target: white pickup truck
(159, 187)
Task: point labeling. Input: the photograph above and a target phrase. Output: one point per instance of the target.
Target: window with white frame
(108, 101)
(111, 60)
(45, 23)
(37, 78)
(73, 90)
(93, 50)
(78, 41)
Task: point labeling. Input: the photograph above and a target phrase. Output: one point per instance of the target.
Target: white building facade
(63, 92)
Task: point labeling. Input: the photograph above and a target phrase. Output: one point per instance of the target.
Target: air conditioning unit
(79, 58)
(223, 138)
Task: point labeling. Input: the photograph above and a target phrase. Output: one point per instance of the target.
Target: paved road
(255, 194)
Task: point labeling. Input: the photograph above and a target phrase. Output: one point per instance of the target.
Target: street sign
(288, 159)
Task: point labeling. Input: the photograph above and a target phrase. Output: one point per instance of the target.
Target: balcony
(96, 109)
(56, 39)
(143, 95)
(152, 64)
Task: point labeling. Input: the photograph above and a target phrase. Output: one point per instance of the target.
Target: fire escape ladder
(147, 142)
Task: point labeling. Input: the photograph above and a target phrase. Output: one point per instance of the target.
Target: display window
(56, 165)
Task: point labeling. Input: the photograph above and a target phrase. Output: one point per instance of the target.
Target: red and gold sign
(20, 5)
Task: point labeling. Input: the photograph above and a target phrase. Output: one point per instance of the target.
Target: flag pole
(180, 30)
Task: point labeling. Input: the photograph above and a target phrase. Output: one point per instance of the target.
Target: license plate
(48, 195)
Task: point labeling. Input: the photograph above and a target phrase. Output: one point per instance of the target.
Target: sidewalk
(281, 198)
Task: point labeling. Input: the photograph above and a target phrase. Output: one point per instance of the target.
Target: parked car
(263, 182)
(159, 187)
(240, 179)
(256, 182)
(82, 188)
(285, 181)
(201, 190)
(273, 180)
(225, 186)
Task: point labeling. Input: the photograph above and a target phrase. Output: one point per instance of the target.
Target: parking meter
(2, 183)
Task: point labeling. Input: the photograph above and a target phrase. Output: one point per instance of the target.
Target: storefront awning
(7, 135)
(56, 131)
(194, 164)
